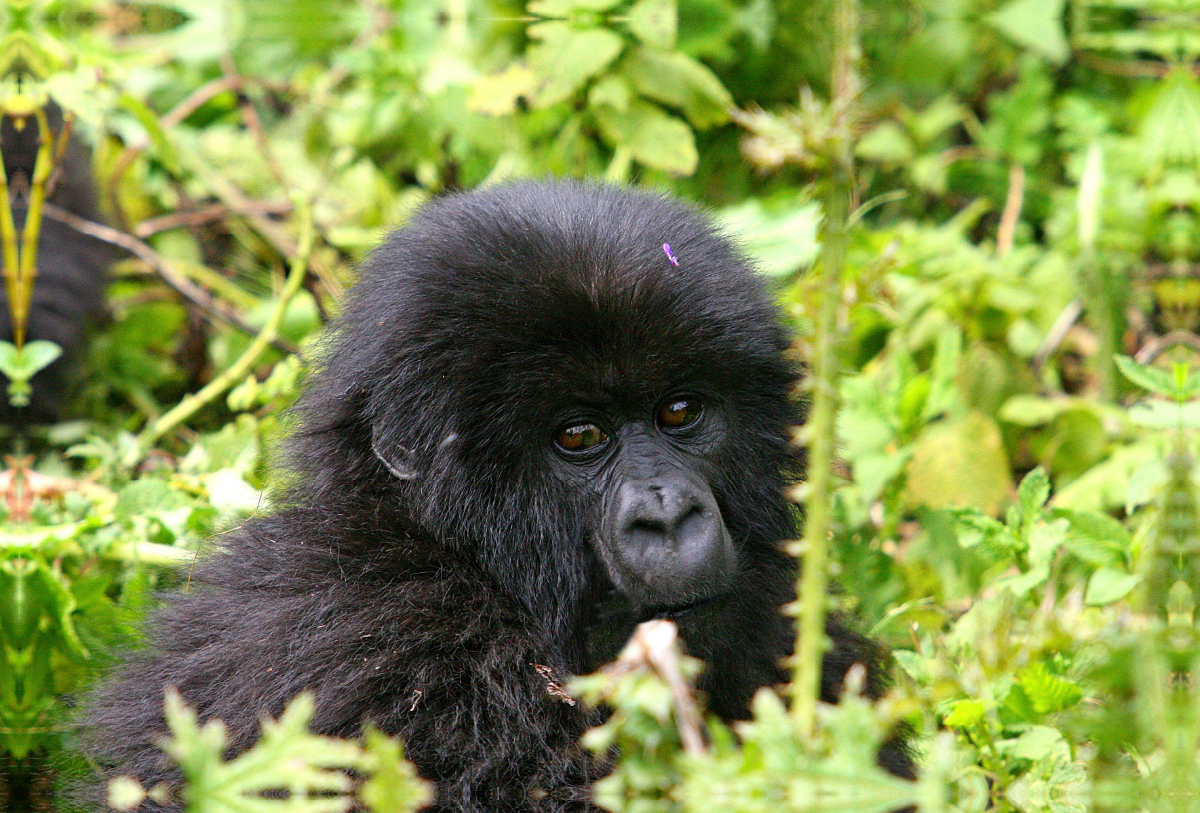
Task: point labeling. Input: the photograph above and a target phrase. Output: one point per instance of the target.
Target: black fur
(425, 602)
(68, 295)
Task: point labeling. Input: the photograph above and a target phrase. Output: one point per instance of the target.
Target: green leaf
(1174, 385)
(781, 239)
(565, 57)
(886, 143)
(965, 713)
(565, 8)
(1036, 25)
(1108, 584)
(393, 785)
(1033, 493)
(959, 463)
(677, 80)
(1048, 693)
(164, 150)
(651, 135)
(654, 22)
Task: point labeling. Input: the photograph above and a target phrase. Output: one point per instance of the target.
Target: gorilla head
(580, 389)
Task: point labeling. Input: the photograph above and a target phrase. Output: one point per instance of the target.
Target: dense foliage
(983, 219)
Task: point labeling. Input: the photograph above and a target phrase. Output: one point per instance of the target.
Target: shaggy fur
(426, 602)
(68, 295)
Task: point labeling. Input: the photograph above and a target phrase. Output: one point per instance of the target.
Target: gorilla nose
(671, 546)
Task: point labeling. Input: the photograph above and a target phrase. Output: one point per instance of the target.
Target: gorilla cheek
(663, 541)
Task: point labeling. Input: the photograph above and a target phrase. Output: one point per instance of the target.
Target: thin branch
(207, 214)
(240, 368)
(1007, 230)
(176, 281)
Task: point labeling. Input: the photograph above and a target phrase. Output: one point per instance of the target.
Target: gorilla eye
(580, 437)
(678, 413)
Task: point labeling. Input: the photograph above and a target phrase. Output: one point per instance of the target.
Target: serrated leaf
(651, 135)
(1036, 25)
(565, 57)
(393, 786)
(1150, 378)
(677, 80)
(1048, 692)
(1033, 492)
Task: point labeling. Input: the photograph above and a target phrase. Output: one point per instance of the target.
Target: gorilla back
(68, 294)
(549, 412)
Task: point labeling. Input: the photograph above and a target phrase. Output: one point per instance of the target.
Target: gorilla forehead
(566, 288)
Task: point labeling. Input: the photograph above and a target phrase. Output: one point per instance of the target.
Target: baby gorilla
(550, 411)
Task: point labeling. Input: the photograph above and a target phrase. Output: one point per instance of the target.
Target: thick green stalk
(32, 229)
(822, 423)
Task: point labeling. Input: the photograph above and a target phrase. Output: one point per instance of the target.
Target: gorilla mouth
(679, 611)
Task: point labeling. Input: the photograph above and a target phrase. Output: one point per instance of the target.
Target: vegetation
(982, 217)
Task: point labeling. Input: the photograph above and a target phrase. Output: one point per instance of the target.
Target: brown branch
(207, 214)
(1006, 232)
(177, 282)
(194, 101)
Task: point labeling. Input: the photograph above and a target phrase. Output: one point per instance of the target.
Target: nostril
(650, 526)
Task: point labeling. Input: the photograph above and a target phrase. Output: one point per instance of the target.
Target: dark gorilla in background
(68, 295)
(535, 426)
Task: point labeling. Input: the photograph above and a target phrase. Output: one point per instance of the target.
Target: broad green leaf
(654, 22)
(1036, 25)
(965, 713)
(1109, 584)
(497, 94)
(781, 239)
(652, 136)
(959, 463)
(886, 143)
(677, 80)
(565, 57)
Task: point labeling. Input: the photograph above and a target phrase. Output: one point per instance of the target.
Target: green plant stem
(822, 424)
(9, 241)
(240, 368)
(32, 228)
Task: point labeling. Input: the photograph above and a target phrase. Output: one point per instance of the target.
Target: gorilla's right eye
(580, 437)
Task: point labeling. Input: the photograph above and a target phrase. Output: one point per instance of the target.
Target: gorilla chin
(549, 411)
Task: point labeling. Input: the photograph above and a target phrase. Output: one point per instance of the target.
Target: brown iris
(580, 437)
(677, 413)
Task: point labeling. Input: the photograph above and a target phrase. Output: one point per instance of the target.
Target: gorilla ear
(398, 460)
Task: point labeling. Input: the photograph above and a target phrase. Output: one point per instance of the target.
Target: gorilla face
(659, 529)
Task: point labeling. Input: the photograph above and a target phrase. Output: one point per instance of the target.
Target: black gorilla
(68, 294)
(550, 411)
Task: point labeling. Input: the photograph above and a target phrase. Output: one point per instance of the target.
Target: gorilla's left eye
(677, 413)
